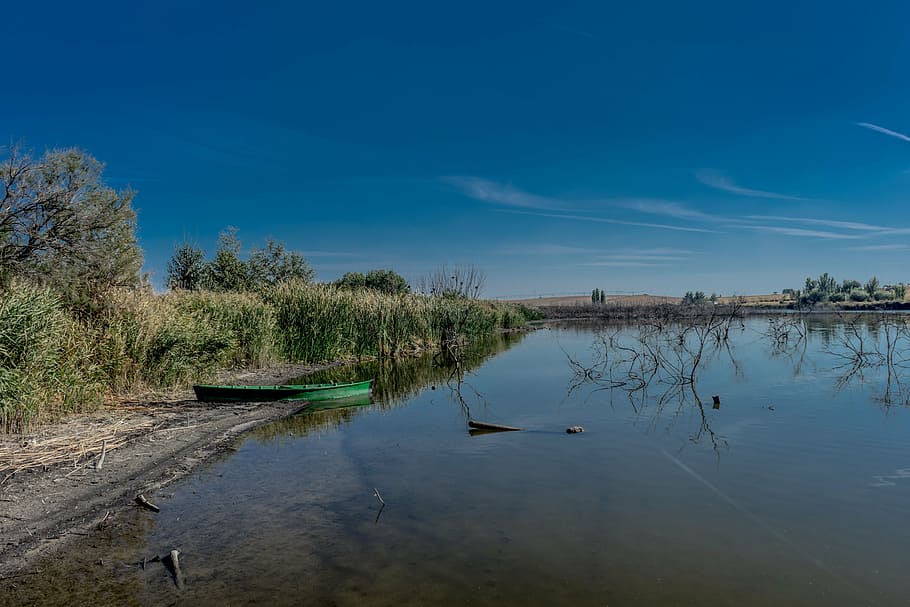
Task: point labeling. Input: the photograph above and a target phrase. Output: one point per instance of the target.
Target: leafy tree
(871, 286)
(826, 284)
(61, 224)
(187, 269)
(352, 280)
(387, 281)
(275, 264)
(603, 296)
(227, 272)
(900, 290)
(858, 295)
(849, 285)
(882, 295)
(595, 296)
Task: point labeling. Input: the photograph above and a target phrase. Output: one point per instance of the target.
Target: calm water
(793, 492)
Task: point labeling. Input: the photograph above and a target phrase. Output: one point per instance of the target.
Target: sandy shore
(153, 443)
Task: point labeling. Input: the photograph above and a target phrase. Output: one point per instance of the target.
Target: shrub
(858, 295)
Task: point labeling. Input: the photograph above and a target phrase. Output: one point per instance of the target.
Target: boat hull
(311, 392)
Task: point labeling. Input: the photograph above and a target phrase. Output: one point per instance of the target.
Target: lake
(793, 489)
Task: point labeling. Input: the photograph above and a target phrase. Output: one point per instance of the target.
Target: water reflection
(656, 366)
(396, 382)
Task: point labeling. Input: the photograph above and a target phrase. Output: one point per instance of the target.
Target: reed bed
(54, 361)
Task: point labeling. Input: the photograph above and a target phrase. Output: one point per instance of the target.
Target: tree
(352, 280)
(899, 291)
(603, 296)
(849, 285)
(826, 284)
(227, 272)
(458, 281)
(595, 296)
(387, 281)
(61, 224)
(275, 264)
(871, 286)
(187, 269)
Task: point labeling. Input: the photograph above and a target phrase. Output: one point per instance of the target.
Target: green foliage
(696, 298)
(900, 291)
(228, 273)
(871, 286)
(61, 225)
(275, 264)
(849, 285)
(387, 281)
(882, 295)
(595, 296)
(187, 269)
(352, 280)
(837, 297)
(45, 366)
(859, 295)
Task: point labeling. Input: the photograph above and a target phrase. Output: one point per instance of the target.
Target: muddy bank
(149, 445)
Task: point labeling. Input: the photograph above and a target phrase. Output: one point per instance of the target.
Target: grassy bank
(54, 361)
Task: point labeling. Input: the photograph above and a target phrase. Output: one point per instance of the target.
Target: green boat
(311, 392)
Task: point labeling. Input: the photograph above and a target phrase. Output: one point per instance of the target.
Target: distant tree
(871, 286)
(274, 264)
(900, 290)
(187, 268)
(227, 272)
(60, 224)
(455, 281)
(826, 284)
(882, 295)
(811, 285)
(837, 297)
(848, 285)
(603, 296)
(387, 281)
(352, 280)
(858, 295)
(595, 296)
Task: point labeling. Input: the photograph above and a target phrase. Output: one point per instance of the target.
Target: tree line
(826, 288)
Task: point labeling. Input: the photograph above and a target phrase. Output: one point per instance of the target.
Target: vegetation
(54, 361)
(61, 226)
(227, 272)
(384, 281)
(598, 296)
(826, 289)
(465, 281)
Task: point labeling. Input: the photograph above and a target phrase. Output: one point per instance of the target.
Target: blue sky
(650, 147)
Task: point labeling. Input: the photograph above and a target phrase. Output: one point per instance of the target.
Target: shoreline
(157, 442)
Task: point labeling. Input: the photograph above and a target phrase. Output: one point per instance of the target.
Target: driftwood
(173, 559)
(100, 462)
(140, 499)
(476, 425)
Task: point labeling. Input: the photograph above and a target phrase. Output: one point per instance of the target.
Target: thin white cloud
(883, 130)
(665, 208)
(830, 223)
(719, 181)
(881, 247)
(547, 249)
(490, 191)
(625, 264)
(331, 254)
(799, 232)
(642, 224)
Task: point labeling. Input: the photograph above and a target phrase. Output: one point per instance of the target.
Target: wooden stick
(100, 461)
(140, 499)
(175, 564)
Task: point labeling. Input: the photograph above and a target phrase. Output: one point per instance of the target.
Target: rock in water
(574, 429)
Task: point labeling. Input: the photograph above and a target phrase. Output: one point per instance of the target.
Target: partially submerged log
(491, 427)
(173, 559)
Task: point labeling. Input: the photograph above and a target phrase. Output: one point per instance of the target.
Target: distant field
(643, 299)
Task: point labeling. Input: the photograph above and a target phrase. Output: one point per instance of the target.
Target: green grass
(54, 361)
